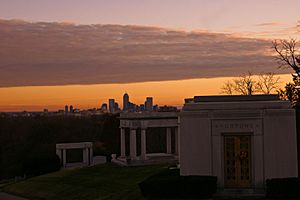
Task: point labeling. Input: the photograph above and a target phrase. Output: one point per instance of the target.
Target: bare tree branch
(228, 88)
(286, 54)
(267, 83)
(247, 85)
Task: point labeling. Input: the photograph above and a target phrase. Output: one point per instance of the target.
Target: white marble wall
(273, 141)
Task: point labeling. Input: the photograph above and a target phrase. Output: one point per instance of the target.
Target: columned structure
(169, 147)
(87, 153)
(123, 143)
(140, 122)
(143, 144)
(133, 144)
(176, 141)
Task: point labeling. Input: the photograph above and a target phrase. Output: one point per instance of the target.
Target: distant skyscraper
(66, 109)
(71, 109)
(131, 107)
(104, 107)
(125, 102)
(117, 106)
(142, 107)
(149, 104)
(111, 104)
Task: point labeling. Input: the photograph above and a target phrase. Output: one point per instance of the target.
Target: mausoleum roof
(235, 102)
(232, 98)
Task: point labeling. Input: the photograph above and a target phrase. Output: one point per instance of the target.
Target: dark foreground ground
(5, 196)
(107, 181)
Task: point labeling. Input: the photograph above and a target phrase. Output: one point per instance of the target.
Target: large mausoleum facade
(243, 140)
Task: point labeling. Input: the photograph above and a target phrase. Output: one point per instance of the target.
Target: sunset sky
(57, 52)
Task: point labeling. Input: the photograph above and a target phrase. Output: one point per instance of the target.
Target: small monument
(87, 153)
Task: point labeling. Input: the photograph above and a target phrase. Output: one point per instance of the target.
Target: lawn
(107, 181)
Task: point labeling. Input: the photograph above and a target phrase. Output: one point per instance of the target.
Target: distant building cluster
(69, 110)
(132, 107)
(112, 107)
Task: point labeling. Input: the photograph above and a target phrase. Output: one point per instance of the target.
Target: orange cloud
(270, 24)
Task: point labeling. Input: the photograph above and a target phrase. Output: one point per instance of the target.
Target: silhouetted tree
(228, 88)
(267, 83)
(288, 56)
(242, 85)
(291, 91)
(247, 85)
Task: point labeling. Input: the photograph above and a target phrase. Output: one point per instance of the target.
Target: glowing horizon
(36, 98)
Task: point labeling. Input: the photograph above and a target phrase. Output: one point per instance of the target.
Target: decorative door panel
(237, 163)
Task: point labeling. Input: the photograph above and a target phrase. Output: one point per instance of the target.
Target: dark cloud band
(60, 54)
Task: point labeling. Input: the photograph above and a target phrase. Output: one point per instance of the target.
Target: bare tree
(267, 83)
(247, 85)
(287, 54)
(228, 88)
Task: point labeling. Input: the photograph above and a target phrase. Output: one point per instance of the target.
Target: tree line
(27, 144)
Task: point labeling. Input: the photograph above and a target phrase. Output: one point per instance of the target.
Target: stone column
(87, 156)
(176, 140)
(84, 156)
(64, 158)
(133, 144)
(58, 153)
(169, 141)
(143, 144)
(91, 156)
(123, 147)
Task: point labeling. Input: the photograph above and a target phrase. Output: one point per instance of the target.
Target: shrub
(283, 188)
(41, 164)
(169, 184)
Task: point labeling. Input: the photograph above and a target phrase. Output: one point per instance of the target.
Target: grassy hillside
(107, 181)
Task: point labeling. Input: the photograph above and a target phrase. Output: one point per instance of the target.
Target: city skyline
(92, 96)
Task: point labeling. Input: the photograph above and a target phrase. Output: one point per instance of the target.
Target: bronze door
(237, 162)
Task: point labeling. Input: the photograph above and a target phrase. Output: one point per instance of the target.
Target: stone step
(240, 194)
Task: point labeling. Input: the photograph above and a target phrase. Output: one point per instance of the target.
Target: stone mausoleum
(243, 140)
